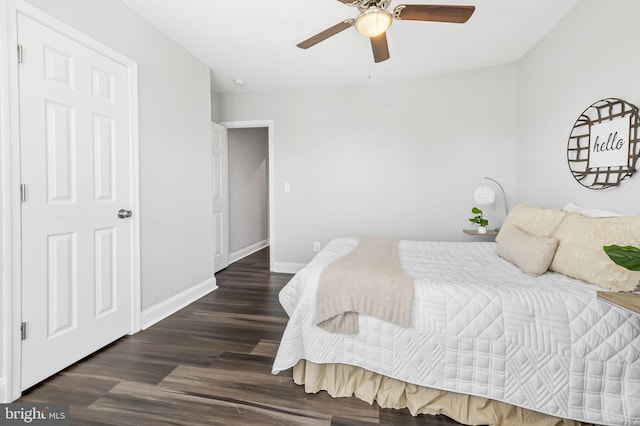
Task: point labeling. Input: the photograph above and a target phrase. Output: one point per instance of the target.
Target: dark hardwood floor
(209, 364)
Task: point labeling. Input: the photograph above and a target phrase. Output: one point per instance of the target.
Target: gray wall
(590, 55)
(175, 172)
(395, 159)
(248, 188)
(215, 106)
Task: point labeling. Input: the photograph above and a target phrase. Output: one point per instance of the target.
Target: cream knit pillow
(533, 220)
(580, 254)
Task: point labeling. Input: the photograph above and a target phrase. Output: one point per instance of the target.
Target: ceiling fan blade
(312, 41)
(433, 12)
(380, 48)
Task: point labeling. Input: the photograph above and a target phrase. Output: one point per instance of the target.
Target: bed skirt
(340, 380)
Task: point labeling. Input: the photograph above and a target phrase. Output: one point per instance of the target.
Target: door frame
(11, 284)
(269, 125)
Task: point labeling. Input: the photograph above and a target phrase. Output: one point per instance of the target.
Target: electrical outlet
(316, 246)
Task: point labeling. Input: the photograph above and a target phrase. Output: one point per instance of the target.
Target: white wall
(590, 55)
(248, 188)
(396, 159)
(175, 174)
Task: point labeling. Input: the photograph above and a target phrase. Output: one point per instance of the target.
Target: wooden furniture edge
(629, 301)
(475, 233)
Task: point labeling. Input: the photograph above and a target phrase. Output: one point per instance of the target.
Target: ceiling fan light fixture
(373, 21)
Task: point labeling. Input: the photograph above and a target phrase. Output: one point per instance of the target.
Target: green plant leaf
(476, 210)
(626, 256)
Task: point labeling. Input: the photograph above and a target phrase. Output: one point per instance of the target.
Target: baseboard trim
(287, 267)
(240, 254)
(173, 304)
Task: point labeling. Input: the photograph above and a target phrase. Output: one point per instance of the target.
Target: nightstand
(629, 301)
(475, 233)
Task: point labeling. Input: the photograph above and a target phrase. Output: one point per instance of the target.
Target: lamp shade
(484, 196)
(373, 21)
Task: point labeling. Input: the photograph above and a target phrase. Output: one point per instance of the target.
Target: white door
(76, 168)
(220, 160)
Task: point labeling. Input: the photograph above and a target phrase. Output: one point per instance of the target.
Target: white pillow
(573, 207)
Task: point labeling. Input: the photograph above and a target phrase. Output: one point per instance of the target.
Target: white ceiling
(255, 40)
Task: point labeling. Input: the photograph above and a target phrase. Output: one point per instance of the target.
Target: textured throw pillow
(530, 253)
(580, 253)
(533, 220)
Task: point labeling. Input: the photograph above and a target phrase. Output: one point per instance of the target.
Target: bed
(487, 342)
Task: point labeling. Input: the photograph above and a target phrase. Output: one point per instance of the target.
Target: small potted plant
(479, 220)
(626, 256)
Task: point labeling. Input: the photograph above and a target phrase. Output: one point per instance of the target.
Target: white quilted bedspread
(480, 326)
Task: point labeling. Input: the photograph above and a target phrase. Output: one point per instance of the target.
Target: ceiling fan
(374, 20)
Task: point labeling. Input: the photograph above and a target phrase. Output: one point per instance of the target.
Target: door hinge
(19, 53)
(23, 331)
(23, 192)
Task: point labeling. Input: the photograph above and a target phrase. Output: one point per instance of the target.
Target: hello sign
(609, 143)
(604, 145)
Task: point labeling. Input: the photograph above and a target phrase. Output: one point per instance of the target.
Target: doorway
(248, 164)
(251, 216)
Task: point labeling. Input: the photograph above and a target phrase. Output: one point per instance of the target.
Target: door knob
(123, 214)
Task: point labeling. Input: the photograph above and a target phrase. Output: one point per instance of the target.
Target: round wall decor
(604, 145)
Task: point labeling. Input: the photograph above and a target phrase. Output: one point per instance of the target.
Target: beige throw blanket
(367, 280)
